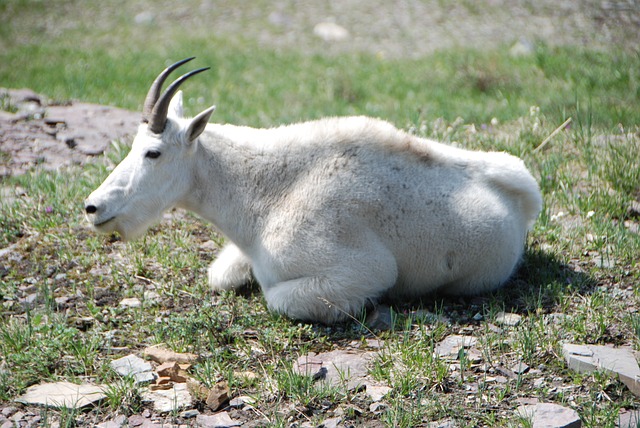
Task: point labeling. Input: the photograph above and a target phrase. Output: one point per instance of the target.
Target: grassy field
(578, 282)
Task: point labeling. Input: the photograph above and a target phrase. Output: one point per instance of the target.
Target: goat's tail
(513, 176)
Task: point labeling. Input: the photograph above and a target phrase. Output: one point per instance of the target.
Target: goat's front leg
(230, 270)
(340, 293)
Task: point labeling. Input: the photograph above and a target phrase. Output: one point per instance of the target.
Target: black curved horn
(161, 108)
(154, 90)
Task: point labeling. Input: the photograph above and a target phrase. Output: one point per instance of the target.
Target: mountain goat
(327, 215)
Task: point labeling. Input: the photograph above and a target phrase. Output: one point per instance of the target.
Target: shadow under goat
(327, 215)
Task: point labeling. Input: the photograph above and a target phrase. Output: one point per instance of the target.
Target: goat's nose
(90, 209)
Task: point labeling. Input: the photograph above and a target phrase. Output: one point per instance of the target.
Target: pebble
(451, 345)
(241, 401)
(520, 368)
(549, 415)
(218, 420)
(508, 319)
(539, 383)
(132, 365)
(8, 411)
(117, 422)
(188, 414)
(377, 393)
(331, 32)
(331, 422)
(130, 302)
(136, 420)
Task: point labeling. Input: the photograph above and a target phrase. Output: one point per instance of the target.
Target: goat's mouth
(102, 223)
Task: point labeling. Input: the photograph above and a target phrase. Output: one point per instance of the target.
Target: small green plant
(123, 395)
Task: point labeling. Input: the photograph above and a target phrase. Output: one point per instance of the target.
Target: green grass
(578, 281)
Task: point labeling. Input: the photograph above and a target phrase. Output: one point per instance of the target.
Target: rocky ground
(38, 131)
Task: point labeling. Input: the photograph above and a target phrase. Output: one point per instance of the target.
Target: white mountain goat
(327, 215)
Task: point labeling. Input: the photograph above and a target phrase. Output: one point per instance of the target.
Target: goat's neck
(234, 182)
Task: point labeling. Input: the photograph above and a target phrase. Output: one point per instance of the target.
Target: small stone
(151, 296)
(160, 354)
(219, 420)
(336, 367)
(331, 422)
(444, 423)
(527, 400)
(520, 368)
(8, 411)
(549, 415)
(378, 407)
(377, 393)
(478, 317)
(169, 400)
(130, 302)
(241, 401)
(209, 245)
(331, 32)
(539, 383)
(188, 414)
(218, 395)
(132, 365)
(144, 18)
(61, 301)
(501, 379)
(136, 420)
(474, 356)
(30, 300)
(522, 47)
(117, 422)
(451, 345)
(168, 369)
(508, 319)
(380, 319)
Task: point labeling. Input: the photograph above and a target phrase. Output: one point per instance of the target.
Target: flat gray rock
(617, 361)
(549, 415)
(219, 420)
(117, 422)
(451, 345)
(337, 367)
(629, 419)
(62, 394)
(132, 365)
(508, 319)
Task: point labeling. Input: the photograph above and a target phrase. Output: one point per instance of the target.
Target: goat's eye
(152, 154)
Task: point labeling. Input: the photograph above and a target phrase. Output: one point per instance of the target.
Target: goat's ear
(198, 123)
(175, 106)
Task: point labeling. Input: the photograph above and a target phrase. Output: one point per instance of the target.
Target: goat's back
(449, 216)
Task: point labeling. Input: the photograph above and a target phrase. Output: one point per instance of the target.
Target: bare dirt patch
(37, 132)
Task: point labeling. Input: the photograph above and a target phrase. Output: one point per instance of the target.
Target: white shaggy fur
(329, 215)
